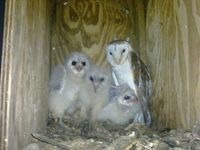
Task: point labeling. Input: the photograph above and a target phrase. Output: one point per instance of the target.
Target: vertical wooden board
(25, 71)
(88, 25)
(173, 41)
(139, 22)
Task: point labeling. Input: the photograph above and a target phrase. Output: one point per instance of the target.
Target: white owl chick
(123, 106)
(94, 94)
(128, 68)
(65, 82)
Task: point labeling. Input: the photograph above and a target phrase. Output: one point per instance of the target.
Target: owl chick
(124, 105)
(65, 82)
(94, 94)
(128, 68)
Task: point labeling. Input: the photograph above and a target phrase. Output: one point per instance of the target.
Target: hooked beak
(134, 101)
(131, 101)
(118, 60)
(95, 86)
(79, 67)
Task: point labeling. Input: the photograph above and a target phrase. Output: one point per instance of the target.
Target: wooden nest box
(38, 34)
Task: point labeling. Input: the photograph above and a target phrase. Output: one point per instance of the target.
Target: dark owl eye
(126, 97)
(102, 79)
(73, 63)
(110, 53)
(91, 78)
(83, 63)
(123, 50)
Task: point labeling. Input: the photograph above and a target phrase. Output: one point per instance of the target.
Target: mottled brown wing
(143, 84)
(142, 76)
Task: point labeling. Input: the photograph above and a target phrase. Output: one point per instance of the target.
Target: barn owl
(128, 68)
(123, 106)
(65, 82)
(94, 94)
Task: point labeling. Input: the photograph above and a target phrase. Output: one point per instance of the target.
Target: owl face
(117, 52)
(77, 64)
(127, 97)
(98, 78)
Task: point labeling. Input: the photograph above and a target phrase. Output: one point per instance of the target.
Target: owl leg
(61, 123)
(84, 113)
(115, 79)
(85, 124)
(72, 109)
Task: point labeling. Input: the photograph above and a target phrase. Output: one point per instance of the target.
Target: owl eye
(110, 53)
(123, 50)
(91, 78)
(73, 63)
(126, 97)
(83, 63)
(102, 79)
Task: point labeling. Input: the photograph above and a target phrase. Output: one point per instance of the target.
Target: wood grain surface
(88, 25)
(24, 72)
(173, 42)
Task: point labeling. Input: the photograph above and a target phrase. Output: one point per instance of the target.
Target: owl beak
(135, 101)
(132, 101)
(95, 86)
(79, 67)
(118, 60)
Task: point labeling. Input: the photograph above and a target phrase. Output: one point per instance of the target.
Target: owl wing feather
(142, 76)
(57, 77)
(143, 82)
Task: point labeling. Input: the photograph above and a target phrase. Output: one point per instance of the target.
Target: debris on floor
(79, 135)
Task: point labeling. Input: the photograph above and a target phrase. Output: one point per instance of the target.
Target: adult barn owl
(128, 68)
(65, 82)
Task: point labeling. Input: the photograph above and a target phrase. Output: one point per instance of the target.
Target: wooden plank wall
(24, 72)
(88, 25)
(173, 50)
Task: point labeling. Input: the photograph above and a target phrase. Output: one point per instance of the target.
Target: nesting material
(33, 146)
(77, 135)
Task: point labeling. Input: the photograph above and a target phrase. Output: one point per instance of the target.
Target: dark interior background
(2, 9)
